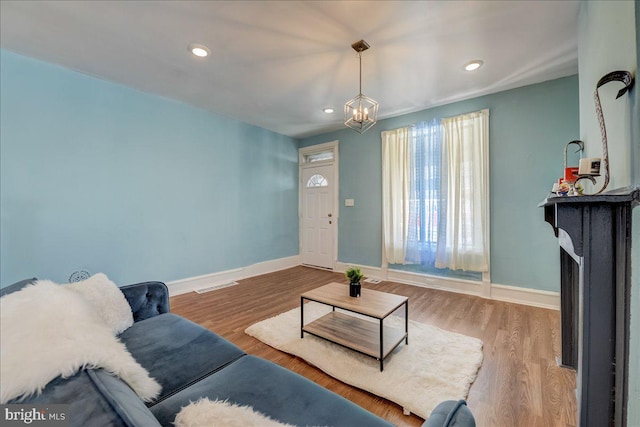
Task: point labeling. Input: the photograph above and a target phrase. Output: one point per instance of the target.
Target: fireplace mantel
(594, 233)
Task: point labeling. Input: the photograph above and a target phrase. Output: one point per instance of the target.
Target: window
(318, 157)
(425, 207)
(435, 193)
(317, 180)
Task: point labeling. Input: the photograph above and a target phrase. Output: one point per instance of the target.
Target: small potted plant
(354, 275)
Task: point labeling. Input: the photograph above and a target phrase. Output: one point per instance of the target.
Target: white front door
(318, 217)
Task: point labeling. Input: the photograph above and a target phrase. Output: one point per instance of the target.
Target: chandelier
(361, 112)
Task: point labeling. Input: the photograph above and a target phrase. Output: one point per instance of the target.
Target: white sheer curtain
(465, 242)
(396, 171)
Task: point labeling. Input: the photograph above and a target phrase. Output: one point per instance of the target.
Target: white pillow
(107, 299)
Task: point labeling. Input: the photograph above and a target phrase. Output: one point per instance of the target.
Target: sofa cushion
(176, 351)
(271, 390)
(89, 406)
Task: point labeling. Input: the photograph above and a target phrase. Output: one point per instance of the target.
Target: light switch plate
(349, 202)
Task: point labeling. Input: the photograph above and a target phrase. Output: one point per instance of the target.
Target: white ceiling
(277, 64)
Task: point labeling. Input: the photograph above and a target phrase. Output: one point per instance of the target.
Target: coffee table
(362, 335)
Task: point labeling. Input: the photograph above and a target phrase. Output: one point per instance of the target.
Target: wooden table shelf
(357, 334)
(369, 337)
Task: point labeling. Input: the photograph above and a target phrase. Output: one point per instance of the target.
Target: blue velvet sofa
(191, 362)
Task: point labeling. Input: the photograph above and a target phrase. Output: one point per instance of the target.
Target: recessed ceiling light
(199, 50)
(328, 110)
(473, 65)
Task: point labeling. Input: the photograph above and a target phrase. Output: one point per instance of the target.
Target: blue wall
(99, 176)
(529, 127)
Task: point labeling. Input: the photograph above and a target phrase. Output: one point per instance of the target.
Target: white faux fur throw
(47, 330)
(216, 413)
(107, 300)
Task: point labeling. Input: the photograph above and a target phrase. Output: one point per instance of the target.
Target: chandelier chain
(360, 59)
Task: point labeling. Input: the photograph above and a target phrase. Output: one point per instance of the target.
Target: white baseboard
(190, 284)
(416, 279)
(513, 294)
(468, 287)
(368, 271)
(271, 266)
(182, 286)
(527, 296)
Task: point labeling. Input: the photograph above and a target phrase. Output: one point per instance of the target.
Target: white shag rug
(49, 330)
(436, 365)
(220, 413)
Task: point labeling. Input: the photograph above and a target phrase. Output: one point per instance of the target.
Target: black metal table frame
(381, 358)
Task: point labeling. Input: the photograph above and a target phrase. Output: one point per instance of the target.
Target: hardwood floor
(519, 383)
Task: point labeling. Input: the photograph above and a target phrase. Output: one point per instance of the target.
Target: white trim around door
(313, 157)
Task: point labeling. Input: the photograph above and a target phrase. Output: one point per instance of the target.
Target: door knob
(329, 215)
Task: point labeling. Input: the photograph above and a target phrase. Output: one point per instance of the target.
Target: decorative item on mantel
(567, 186)
(354, 275)
(590, 168)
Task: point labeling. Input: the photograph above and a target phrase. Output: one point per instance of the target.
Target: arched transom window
(317, 180)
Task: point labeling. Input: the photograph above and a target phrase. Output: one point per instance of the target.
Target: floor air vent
(373, 280)
(216, 287)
